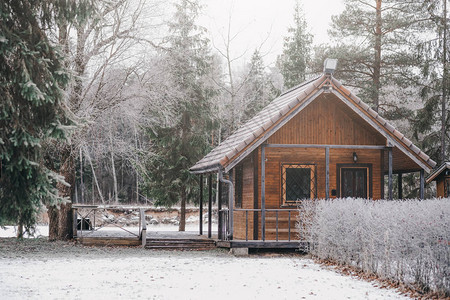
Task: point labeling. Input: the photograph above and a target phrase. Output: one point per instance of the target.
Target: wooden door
(354, 182)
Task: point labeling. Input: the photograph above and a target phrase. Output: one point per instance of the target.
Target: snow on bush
(406, 241)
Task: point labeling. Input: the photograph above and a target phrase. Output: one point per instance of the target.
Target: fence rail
(281, 215)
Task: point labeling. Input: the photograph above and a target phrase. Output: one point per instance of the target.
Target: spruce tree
(179, 141)
(293, 63)
(433, 57)
(258, 90)
(33, 78)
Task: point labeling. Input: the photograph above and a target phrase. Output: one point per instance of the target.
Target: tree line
(102, 102)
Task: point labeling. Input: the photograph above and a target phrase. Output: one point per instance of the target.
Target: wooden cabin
(442, 177)
(317, 140)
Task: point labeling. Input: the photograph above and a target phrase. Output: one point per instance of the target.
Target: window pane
(298, 183)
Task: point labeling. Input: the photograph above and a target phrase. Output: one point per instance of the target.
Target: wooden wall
(327, 121)
(324, 121)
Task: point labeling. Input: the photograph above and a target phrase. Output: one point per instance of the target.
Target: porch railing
(269, 217)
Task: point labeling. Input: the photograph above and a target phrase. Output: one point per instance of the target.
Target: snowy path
(138, 273)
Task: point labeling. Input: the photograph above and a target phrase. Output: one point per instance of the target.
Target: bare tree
(110, 37)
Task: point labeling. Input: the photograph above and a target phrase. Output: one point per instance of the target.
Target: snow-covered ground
(42, 231)
(41, 270)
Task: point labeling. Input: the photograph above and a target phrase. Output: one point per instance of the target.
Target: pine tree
(293, 63)
(181, 140)
(32, 111)
(374, 48)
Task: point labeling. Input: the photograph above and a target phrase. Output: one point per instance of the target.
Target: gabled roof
(258, 129)
(438, 171)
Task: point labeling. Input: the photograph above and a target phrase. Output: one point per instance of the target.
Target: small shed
(442, 177)
(316, 140)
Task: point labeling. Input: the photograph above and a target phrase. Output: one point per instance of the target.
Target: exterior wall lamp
(355, 157)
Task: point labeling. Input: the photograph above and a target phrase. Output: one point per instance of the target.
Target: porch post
(390, 173)
(263, 193)
(200, 223)
(400, 185)
(219, 208)
(327, 173)
(231, 206)
(422, 184)
(209, 204)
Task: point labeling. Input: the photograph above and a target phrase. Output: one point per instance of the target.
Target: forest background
(112, 101)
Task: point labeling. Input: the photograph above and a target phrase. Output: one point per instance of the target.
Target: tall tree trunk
(182, 226)
(444, 84)
(20, 230)
(116, 195)
(61, 218)
(377, 60)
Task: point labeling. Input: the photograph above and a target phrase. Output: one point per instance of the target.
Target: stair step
(194, 244)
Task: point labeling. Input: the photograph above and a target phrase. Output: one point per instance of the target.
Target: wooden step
(184, 244)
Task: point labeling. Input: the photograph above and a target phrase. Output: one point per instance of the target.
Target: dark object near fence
(84, 224)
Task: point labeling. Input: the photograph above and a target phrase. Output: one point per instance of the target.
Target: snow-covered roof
(258, 129)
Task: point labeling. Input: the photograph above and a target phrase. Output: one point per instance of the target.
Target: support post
(400, 185)
(263, 193)
(74, 222)
(200, 223)
(422, 184)
(382, 173)
(390, 173)
(231, 205)
(210, 205)
(327, 173)
(219, 208)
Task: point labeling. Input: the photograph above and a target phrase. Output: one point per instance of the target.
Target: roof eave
(206, 169)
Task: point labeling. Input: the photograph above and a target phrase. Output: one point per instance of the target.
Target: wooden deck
(165, 240)
(257, 244)
(175, 240)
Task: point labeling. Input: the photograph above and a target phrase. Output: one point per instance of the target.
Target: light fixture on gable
(355, 157)
(329, 66)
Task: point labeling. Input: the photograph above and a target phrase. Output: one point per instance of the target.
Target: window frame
(313, 180)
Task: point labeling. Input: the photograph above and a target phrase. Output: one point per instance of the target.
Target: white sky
(258, 20)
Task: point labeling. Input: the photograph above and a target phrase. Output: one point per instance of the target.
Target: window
(298, 182)
(239, 185)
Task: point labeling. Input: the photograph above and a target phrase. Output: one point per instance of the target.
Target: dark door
(354, 182)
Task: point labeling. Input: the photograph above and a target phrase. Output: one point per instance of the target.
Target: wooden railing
(278, 215)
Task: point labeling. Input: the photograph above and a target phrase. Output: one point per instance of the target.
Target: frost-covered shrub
(406, 241)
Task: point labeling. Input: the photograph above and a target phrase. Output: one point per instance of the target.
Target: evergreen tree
(374, 48)
(293, 63)
(180, 141)
(259, 90)
(33, 77)
(433, 57)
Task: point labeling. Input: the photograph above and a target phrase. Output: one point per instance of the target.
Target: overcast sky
(258, 20)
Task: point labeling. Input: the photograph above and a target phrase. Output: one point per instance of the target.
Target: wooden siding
(440, 186)
(327, 121)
